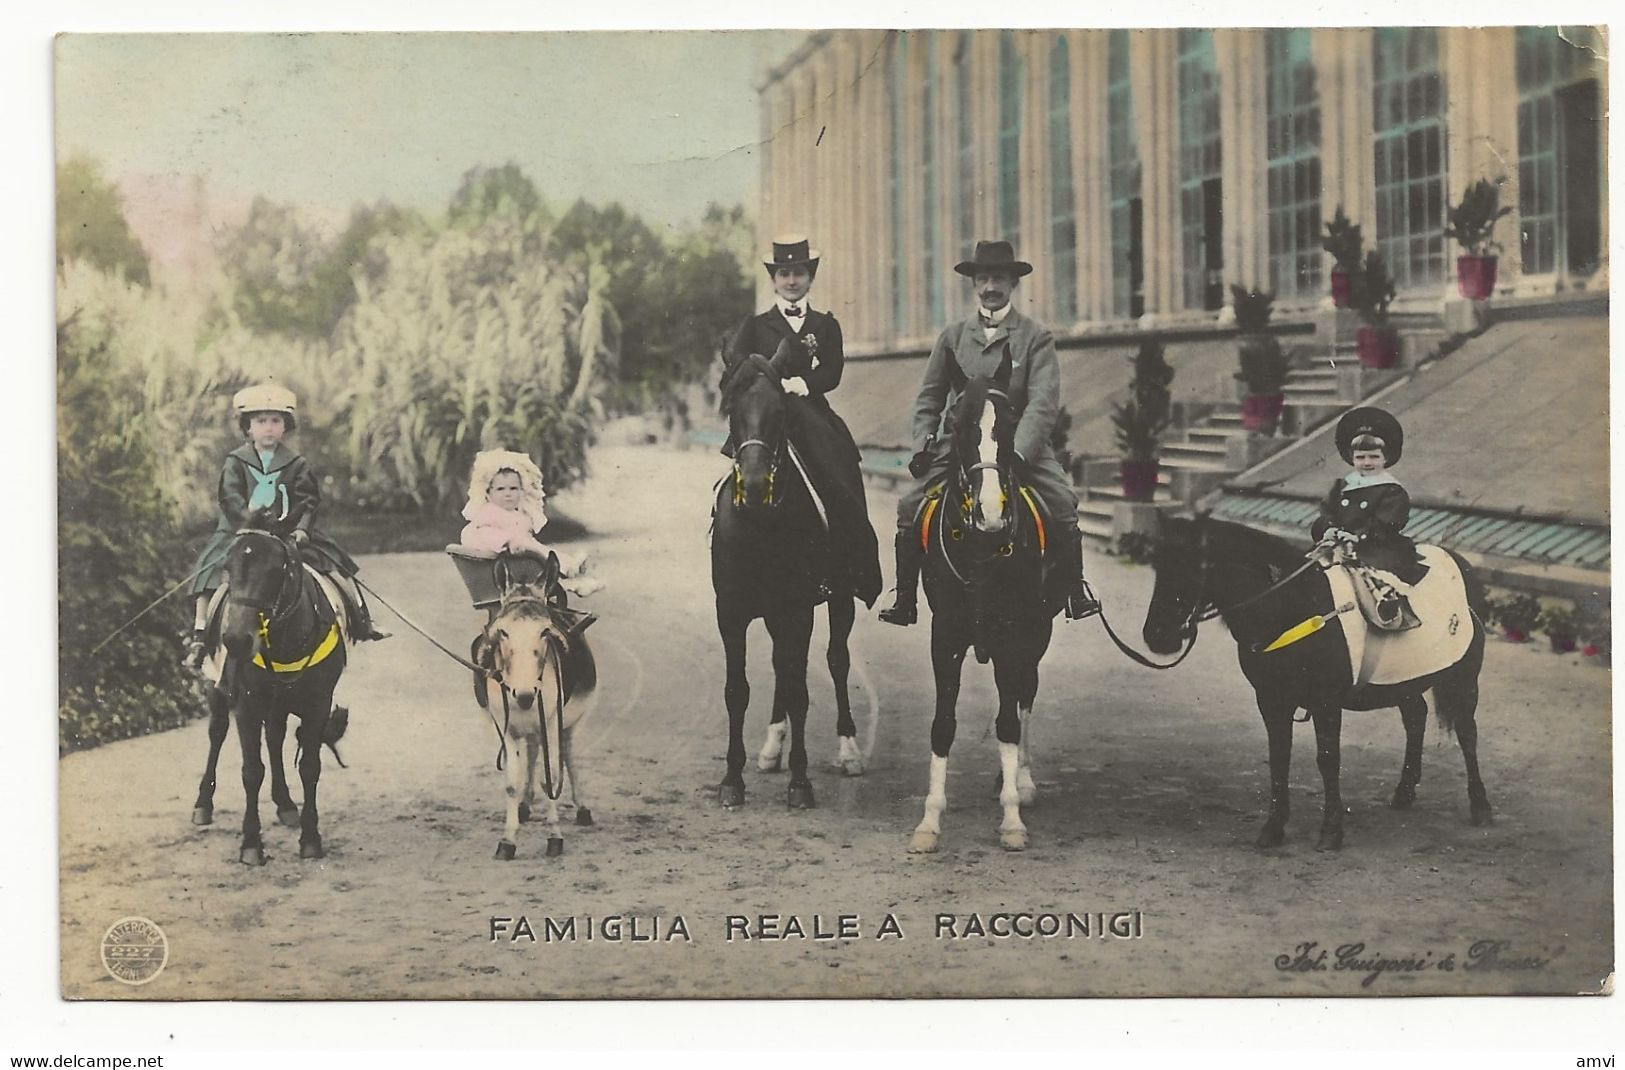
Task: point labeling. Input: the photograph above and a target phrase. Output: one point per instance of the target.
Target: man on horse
(974, 347)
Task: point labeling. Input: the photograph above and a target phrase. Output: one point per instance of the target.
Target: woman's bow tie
(794, 310)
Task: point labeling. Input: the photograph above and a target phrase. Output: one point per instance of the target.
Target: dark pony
(1248, 578)
(764, 543)
(984, 578)
(284, 650)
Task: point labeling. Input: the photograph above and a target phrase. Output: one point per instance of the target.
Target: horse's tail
(1456, 692)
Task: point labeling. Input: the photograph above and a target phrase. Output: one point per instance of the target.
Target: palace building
(1143, 171)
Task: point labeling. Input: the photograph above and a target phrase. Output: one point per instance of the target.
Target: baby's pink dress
(491, 527)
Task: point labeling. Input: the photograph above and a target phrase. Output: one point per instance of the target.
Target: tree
(90, 223)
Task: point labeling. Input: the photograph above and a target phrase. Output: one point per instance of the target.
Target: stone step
(1298, 394)
(1213, 452)
(1216, 435)
(1094, 527)
(1113, 492)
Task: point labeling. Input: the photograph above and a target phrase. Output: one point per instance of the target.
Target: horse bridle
(284, 602)
(771, 495)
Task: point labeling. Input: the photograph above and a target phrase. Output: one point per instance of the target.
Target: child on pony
(265, 473)
(1364, 513)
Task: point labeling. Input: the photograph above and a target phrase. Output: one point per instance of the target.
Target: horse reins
(772, 470)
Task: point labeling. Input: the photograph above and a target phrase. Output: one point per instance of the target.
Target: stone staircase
(1208, 444)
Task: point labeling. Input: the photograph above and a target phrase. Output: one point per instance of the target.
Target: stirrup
(900, 613)
(195, 652)
(1081, 602)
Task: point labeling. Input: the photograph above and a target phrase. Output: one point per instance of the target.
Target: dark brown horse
(282, 650)
(1258, 585)
(984, 575)
(764, 555)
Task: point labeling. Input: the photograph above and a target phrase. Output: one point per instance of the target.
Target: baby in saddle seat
(505, 513)
(1363, 515)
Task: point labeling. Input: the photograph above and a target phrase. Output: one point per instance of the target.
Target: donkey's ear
(1001, 375)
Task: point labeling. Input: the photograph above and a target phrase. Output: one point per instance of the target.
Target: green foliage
(1472, 222)
(1252, 308)
(90, 224)
(494, 191)
(1371, 289)
(117, 550)
(1136, 546)
(1561, 625)
(1518, 613)
(1344, 242)
(1142, 418)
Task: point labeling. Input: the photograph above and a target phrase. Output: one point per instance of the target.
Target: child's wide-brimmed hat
(792, 250)
(992, 257)
(488, 464)
(266, 397)
(1377, 423)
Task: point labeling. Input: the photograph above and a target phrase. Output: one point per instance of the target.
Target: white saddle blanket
(1439, 602)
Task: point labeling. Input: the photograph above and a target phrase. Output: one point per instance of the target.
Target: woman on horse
(1366, 510)
(804, 346)
(264, 473)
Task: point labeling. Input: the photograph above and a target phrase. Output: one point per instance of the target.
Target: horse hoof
(731, 796)
(584, 817)
(1330, 840)
(1013, 839)
(800, 796)
(1482, 814)
(1271, 837)
(203, 815)
(524, 812)
(852, 767)
(289, 817)
(555, 846)
(923, 843)
(1403, 797)
(769, 765)
(1026, 793)
(252, 856)
(505, 851)
(312, 850)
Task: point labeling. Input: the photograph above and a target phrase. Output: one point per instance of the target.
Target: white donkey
(537, 663)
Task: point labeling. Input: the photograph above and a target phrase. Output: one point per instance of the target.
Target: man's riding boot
(904, 611)
(1080, 600)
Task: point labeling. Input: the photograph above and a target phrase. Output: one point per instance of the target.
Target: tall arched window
(1292, 126)
(896, 76)
(1559, 148)
(1010, 79)
(1124, 163)
(1200, 196)
(931, 270)
(965, 146)
(1408, 149)
(1063, 204)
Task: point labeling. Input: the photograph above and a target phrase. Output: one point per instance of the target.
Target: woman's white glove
(796, 385)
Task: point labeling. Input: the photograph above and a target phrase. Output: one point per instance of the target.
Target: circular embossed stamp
(134, 950)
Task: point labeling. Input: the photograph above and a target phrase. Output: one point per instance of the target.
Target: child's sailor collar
(1357, 480)
(281, 457)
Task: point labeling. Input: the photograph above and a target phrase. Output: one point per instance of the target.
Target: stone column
(1242, 62)
(1154, 75)
(1089, 172)
(1481, 130)
(1343, 84)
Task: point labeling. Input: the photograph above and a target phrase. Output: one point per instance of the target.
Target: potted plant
(1596, 635)
(1141, 419)
(1263, 363)
(1472, 225)
(1370, 292)
(1345, 245)
(1561, 628)
(1517, 615)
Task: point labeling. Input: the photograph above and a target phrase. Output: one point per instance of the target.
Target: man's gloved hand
(796, 385)
(300, 536)
(920, 463)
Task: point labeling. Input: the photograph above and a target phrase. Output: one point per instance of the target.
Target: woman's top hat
(1377, 423)
(792, 250)
(994, 256)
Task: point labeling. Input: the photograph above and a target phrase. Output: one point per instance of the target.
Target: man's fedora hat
(1377, 423)
(994, 256)
(791, 250)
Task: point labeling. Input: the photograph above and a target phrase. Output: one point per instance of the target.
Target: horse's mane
(738, 377)
(1238, 541)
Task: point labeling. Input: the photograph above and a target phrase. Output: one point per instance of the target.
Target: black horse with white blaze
(764, 551)
(1261, 588)
(985, 579)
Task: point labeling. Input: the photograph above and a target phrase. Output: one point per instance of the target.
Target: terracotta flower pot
(1340, 288)
(1261, 412)
(1561, 645)
(1139, 479)
(1378, 347)
(1514, 635)
(1475, 276)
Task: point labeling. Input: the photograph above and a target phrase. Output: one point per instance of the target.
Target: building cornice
(816, 39)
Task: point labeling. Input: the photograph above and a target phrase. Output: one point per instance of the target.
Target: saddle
(1439, 638)
(1381, 596)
